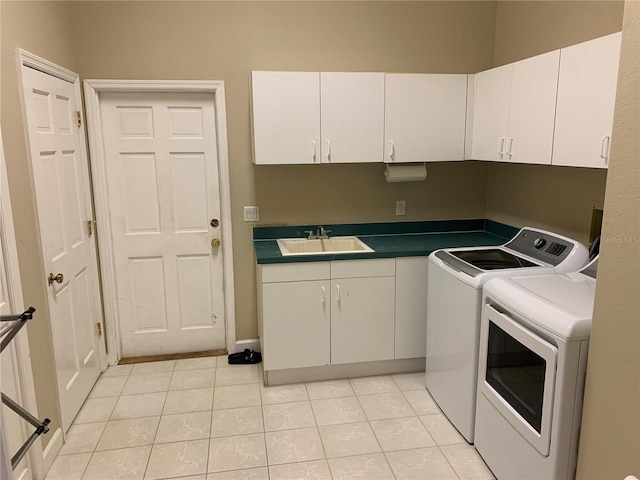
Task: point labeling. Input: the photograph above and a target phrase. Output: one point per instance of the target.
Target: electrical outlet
(251, 214)
(400, 207)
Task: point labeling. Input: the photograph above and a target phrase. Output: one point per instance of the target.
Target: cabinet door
(491, 113)
(424, 117)
(411, 307)
(362, 318)
(295, 324)
(586, 99)
(286, 117)
(352, 117)
(534, 84)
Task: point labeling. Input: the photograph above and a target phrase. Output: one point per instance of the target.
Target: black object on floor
(246, 357)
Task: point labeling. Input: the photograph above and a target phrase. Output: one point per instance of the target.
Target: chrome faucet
(320, 233)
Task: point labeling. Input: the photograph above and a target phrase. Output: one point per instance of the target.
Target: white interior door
(15, 375)
(63, 200)
(162, 181)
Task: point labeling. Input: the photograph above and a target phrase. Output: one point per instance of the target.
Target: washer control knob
(539, 242)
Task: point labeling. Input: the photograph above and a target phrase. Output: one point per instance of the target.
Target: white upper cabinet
(311, 117)
(286, 117)
(352, 117)
(515, 109)
(533, 105)
(424, 117)
(586, 98)
(491, 113)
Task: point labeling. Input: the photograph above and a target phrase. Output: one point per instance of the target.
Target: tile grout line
(159, 420)
(264, 425)
(374, 432)
(315, 420)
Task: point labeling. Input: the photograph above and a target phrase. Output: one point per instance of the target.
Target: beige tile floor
(202, 419)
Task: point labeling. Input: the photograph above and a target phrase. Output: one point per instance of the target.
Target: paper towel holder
(412, 172)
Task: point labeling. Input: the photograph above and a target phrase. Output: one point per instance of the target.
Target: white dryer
(533, 358)
(454, 306)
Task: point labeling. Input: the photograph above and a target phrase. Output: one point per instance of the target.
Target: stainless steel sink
(332, 245)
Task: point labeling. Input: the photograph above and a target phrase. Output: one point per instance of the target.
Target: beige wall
(557, 199)
(528, 28)
(42, 28)
(610, 445)
(226, 40)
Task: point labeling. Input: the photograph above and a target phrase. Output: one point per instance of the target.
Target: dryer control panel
(542, 246)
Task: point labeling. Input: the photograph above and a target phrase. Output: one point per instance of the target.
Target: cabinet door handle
(324, 297)
(510, 146)
(392, 151)
(604, 150)
(501, 146)
(338, 295)
(328, 150)
(314, 151)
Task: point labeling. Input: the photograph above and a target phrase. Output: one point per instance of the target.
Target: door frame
(26, 391)
(92, 94)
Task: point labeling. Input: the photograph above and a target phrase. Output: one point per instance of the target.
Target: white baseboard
(346, 370)
(251, 344)
(54, 446)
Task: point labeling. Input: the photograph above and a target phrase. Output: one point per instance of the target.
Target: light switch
(251, 214)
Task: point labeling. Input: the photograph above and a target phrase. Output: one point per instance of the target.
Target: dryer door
(517, 374)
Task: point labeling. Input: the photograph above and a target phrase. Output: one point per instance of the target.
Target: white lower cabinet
(362, 310)
(411, 307)
(328, 313)
(296, 328)
(294, 317)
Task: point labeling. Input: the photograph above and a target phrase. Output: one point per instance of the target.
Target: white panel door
(362, 319)
(534, 86)
(162, 176)
(491, 113)
(64, 208)
(425, 117)
(286, 117)
(586, 99)
(352, 117)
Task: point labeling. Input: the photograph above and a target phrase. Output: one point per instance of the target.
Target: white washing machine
(533, 358)
(454, 300)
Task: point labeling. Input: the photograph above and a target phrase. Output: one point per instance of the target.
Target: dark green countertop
(388, 240)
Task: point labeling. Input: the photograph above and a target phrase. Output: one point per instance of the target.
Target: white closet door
(352, 117)
(64, 207)
(286, 117)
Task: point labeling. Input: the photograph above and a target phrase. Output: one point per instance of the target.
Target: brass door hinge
(78, 119)
(99, 329)
(90, 224)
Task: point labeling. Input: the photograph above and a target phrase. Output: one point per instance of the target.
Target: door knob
(215, 242)
(59, 278)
